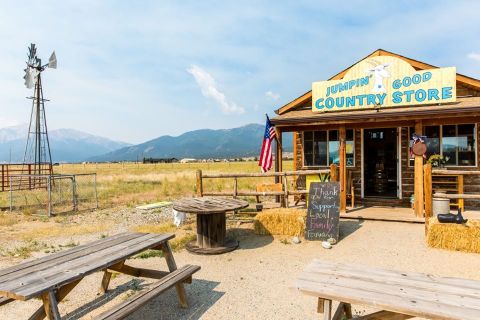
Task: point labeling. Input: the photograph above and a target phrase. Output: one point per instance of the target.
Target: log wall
(471, 182)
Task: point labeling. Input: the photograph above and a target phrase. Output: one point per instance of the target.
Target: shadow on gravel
(347, 227)
(200, 295)
(248, 239)
(134, 284)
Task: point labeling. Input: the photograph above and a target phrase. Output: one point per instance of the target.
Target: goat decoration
(380, 72)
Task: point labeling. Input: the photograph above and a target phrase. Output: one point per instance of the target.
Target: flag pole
(276, 136)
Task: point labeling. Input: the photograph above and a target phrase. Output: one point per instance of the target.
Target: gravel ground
(254, 282)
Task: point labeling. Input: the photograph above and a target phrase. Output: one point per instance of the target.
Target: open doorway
(380, 162)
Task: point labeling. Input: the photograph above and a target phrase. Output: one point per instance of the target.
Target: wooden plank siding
(463, 90)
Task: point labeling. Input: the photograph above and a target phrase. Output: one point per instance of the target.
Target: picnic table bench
(52, 277)
(399, 295)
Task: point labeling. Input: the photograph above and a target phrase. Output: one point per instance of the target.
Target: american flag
(266, 154)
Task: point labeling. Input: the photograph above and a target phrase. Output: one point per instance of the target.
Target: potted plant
(437, 160)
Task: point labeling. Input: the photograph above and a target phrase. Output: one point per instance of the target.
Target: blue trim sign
(386, 82)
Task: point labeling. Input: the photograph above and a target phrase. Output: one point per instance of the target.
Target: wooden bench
(268, 187)
(52, 278)
(399, 295)
(135, 302)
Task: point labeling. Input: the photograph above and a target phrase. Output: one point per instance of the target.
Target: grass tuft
(26, 250)
(179, 243)
(58, 231)
(156, 228)
(149, 254)
(7, 220)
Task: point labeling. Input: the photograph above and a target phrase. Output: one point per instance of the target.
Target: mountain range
(66, 145)
(69, 145)
(243, 141)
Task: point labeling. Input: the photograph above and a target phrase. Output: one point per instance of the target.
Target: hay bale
(281, 221)
(452, 236)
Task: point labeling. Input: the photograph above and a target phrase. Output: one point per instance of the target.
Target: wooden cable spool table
(211, 223)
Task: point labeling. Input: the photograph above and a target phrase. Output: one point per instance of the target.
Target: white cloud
(474, 56)
(209, 89)
(272, 95)
(5, 122)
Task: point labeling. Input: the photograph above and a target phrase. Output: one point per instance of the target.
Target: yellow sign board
(386, 82)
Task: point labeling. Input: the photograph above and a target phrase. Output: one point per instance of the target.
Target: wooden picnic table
(399, 295)
(211, 223)
(52, 277)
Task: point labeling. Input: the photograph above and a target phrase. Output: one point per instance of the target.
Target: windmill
(37, 149)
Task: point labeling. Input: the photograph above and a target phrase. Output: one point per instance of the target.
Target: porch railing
(429, 172)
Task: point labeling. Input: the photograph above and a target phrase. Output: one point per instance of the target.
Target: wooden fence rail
(283, 176)
(429, 172)
(11, 169)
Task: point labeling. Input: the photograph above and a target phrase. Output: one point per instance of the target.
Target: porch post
(418, 174)
(427, 185)
(278, 152)
(278, 158)
(342, 171)
(295, 135)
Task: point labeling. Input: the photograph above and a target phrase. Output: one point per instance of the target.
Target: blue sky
(135, 70)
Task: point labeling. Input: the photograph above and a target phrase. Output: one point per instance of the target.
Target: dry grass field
(131, 184)
(121, 187)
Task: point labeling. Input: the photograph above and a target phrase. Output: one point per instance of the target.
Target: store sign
(386, 82)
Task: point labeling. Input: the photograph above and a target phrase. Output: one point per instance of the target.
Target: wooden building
(363, 118)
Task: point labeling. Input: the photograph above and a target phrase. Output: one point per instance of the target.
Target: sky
(136, 70)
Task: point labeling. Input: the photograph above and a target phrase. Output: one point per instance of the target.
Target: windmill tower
(37, 150)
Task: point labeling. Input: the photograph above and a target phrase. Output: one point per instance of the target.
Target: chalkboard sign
(323, 211)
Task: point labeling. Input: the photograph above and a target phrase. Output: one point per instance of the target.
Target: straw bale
(455, 237)
(281, 221)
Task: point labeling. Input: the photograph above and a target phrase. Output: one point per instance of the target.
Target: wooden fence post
(30, 177)
(427, 187)
(199, 183)
(285, 186)
(461, 202)
(333, 172)
(235, 187)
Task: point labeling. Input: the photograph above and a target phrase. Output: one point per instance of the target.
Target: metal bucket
(440, 206)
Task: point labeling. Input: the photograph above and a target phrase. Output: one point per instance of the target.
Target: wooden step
(135, 302)
(377, 201)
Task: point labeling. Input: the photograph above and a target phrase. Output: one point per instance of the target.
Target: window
(433, 140)
(455, 142)
(321, 148)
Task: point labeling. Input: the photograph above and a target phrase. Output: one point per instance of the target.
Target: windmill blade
(31, 76)
(28, 79)
(52, 62)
